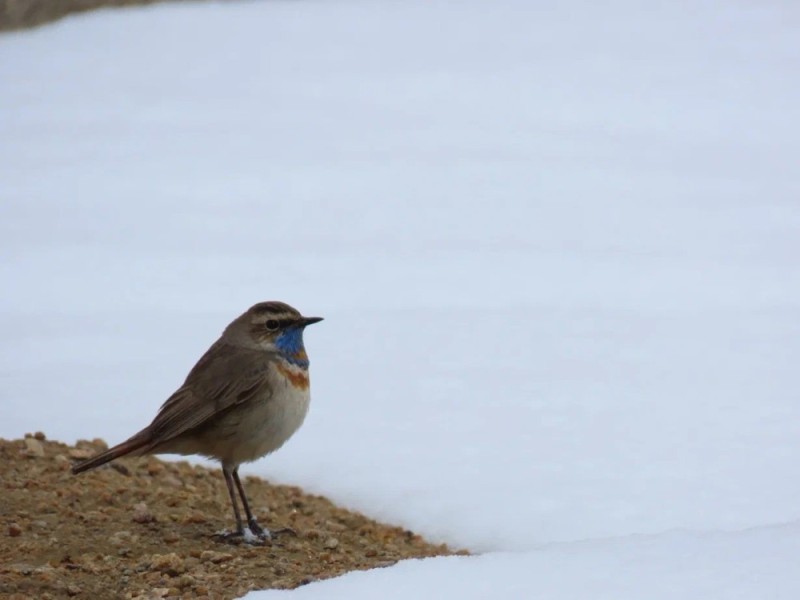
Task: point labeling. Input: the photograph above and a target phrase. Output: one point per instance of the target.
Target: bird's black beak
(310, 321)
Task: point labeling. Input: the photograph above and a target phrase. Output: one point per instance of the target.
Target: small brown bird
(243, 399)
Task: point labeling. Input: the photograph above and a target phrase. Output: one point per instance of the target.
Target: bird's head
(273, 327)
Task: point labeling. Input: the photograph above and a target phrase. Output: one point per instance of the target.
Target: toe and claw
(254, 533)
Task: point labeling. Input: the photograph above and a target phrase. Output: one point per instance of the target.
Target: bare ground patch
(144, 528)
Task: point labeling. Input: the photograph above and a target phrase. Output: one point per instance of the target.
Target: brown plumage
(242, 400)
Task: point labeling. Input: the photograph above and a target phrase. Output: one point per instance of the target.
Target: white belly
(273, 423)
(254, 430)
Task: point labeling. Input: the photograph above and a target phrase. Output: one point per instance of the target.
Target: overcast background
(556, 248)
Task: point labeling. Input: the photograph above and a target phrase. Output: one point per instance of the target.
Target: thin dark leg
(230, 477)
(251, 520)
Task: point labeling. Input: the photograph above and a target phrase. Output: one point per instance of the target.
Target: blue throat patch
(290, 344)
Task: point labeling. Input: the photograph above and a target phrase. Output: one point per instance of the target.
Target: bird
(245, 397)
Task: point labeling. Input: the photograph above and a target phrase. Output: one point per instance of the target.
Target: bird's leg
(251, 520)
(230, 477)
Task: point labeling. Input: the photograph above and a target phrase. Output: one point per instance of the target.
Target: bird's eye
(272, 325)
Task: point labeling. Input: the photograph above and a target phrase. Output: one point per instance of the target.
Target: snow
(555, 249)
(670, 565)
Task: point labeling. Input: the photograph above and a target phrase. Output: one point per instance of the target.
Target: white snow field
(556, 246)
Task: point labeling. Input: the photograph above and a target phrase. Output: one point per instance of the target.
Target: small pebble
(142, 514)
(331, 543)
(195, 517)
(46, 573)
(186, 581)
(171, 537)
(122, 538)
(215, 557)
(80, 453)
(335, 526)
(14, 530)
(170, 564)
(34, 448)
(172, 481)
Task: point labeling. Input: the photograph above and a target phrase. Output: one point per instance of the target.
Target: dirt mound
(145, 528)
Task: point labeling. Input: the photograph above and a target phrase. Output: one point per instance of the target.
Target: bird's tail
(134, 446)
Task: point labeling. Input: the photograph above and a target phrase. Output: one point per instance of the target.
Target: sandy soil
(145, 528)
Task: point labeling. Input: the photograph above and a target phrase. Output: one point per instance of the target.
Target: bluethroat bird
(243, 399)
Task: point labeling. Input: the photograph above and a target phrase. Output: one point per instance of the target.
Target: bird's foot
(254, 534)
(256, 531)
(266, 534)
(257, 536)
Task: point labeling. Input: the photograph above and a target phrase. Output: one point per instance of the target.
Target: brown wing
(223, 378)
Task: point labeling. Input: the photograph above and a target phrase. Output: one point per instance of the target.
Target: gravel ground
(22, 14)
(145, 528)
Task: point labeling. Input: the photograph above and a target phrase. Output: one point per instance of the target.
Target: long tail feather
(134, 446)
